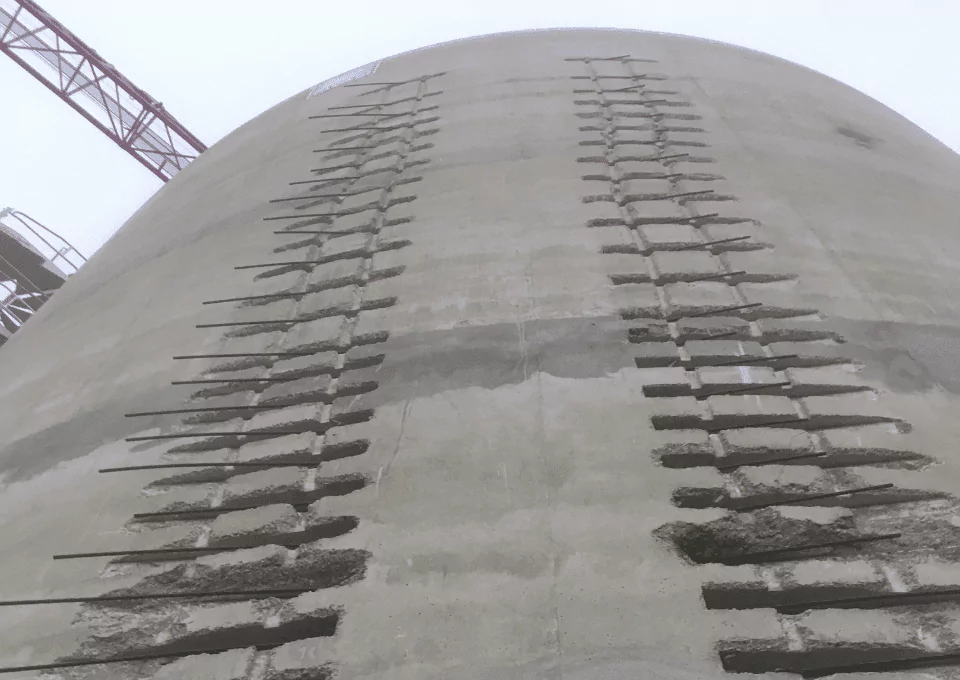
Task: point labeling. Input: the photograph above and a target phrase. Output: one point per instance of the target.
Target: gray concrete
(514, 496)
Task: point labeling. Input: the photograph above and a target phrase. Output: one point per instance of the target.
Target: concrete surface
(512, 503)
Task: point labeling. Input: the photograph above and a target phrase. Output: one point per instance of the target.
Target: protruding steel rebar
(716, 336)
(148, 551)
(707, 244)
(589, 59)
(772, 461)
(399, 82)
(218, 381)
(322, 181)
(721, 310)
(631, 87)
(190, 435)
(903, 663)
(801, 498)
(683, 195)
(356, 129)
(278, 296)
(301, 217)
(309, 197)
(243, 354)
(748, 557)
(661, 158)
(747, 388)
(190, 594)
(714, 276)
(198, 511)
(279, 264)
(330, 233)
(694, 218)
(754, 360)
(265, 322)
(767, 423)
(173, 466)
(869, 601)
(207, 409)
(351, 115)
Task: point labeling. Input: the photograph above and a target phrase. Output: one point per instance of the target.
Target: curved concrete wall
(594, 313)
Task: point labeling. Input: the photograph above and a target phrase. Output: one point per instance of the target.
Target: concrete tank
(573, 353)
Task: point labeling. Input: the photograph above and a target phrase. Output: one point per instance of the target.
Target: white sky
(217, 63)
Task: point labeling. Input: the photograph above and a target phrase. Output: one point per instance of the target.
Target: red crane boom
(95, 89)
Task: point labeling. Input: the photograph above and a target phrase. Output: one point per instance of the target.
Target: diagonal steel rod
(717, 242)
(190, 594)
(769, 461)
(802, 498)
(173, 466)
(746, 557)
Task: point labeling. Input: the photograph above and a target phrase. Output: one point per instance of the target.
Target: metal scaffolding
(34, 262)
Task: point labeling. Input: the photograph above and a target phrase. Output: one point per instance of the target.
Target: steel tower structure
(581, 354)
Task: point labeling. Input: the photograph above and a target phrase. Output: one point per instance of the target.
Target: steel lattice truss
(95, 89)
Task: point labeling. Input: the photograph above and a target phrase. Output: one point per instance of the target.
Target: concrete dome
(579, 353)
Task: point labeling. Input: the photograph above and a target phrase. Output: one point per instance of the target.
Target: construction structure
(95, 89)
(34, 262)
(92, 87)
(574, 353)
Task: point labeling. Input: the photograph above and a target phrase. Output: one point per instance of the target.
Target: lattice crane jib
(95, 89)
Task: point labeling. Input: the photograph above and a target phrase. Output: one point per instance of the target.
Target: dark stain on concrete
(85, 432)
(901, 357)
(415, 365)
(861, 138)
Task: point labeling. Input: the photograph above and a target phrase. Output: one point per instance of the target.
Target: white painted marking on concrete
(217, 499)
(717, 443)
(203, 540)
(354, 74)
(310, 482)
(745, 375)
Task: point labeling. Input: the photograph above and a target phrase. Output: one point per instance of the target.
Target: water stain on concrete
(902, 357)
(423, 364)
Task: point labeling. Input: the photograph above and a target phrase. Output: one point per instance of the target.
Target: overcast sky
(217, 63)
